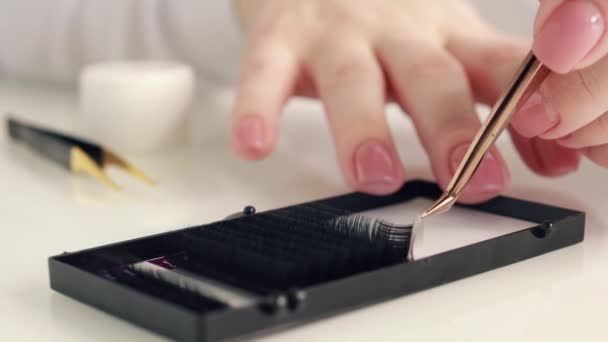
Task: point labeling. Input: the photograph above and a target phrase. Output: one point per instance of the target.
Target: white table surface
(44, 211)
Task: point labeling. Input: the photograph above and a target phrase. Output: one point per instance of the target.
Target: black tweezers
(76, 155)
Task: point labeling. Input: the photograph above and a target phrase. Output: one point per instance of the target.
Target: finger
(490, 61)
(570, 34)
(593, 134)
(267, 80)
(545, 157)
(351, 86)
(432, 87)
(598, 154)
(306, 87)
(565, 103)
(505, 54)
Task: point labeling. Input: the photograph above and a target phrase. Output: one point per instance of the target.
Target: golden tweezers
(528, 78)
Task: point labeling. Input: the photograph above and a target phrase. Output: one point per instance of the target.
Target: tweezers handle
(41, 141)
(530, 76)
(53, 145)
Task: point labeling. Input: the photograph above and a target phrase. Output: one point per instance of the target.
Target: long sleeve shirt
(55, 39)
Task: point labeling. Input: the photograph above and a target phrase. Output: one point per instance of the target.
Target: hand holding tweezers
(528, 78)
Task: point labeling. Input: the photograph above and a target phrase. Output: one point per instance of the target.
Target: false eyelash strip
(163, 270)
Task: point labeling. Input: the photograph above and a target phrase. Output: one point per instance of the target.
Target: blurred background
(45, 210)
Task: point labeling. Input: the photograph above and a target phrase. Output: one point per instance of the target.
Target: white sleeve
(513, 16)
(55, 39)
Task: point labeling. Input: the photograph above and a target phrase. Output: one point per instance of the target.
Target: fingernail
(569, 34)
(586, 151)
(567, 141)
(489, 177)
(555, 159)
(376, 169)
(535, 117)
(250, 135)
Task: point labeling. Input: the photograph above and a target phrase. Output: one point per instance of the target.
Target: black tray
(82, 276)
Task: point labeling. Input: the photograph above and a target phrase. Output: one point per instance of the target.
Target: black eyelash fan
(257, 271)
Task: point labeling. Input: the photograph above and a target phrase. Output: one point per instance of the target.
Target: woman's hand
(569, 110)
(435, 58)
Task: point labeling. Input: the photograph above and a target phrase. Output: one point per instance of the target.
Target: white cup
(136, 106)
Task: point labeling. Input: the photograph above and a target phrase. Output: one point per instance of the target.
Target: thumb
(570, 34)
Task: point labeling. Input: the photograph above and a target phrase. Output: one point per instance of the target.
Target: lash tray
(193, 284)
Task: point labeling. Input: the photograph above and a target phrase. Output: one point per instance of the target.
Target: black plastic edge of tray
(557, 228)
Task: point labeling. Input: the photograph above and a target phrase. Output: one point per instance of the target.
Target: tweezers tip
(112, 158)
(80, 161)
(443, 204)
(142, 177)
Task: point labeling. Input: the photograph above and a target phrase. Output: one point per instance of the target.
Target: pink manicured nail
(555, 159)
(250, 135)
(489, 177)
(535, 117)
(570, 33)
(568, 141)
(376, 170)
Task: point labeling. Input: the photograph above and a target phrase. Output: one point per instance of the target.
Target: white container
(136, 106)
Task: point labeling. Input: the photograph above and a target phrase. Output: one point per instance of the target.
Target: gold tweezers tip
(110, 158)
(80, 161)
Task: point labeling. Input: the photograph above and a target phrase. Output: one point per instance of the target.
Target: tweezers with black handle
(74, 154)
